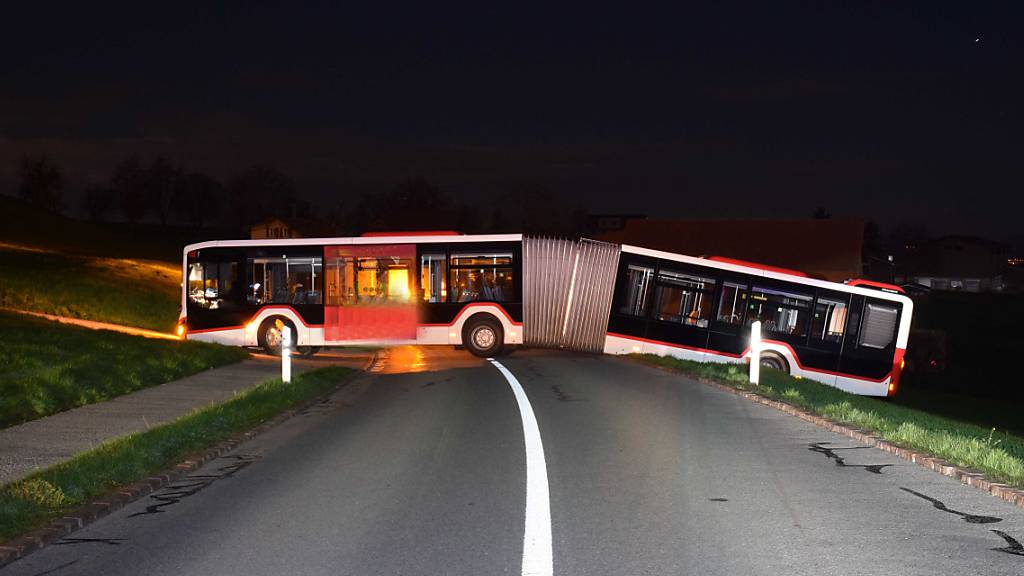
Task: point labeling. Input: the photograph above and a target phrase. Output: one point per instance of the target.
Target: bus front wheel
(483, 337)
(271, 334)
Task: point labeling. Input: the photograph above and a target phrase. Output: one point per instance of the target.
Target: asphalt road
(419, 467)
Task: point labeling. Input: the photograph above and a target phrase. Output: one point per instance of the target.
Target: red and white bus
(486, 292)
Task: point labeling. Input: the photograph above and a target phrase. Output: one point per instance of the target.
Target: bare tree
(200, 199)
(129, 181)
(98, 201)
(260, 192)
(41, 182)
(162, 184)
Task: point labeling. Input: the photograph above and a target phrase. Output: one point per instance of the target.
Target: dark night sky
(885, 110)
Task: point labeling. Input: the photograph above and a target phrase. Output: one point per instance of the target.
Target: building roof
(309, 227)
(826, 248)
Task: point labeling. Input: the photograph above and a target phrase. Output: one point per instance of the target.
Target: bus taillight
(897, 370)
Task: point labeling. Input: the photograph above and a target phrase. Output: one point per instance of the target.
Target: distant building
(962, 263)
(826, 248)
(288, 228)
(608, 222)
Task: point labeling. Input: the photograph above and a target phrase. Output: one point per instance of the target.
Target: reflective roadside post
(286, 354)
(755, 352)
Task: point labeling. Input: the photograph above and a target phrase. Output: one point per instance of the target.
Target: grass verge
(31, 502)
(998, 454)
(47, 367)
(131, 292)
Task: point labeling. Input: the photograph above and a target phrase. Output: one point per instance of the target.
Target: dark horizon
(901, 115)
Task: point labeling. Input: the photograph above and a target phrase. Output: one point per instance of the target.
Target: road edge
(966, 476)
(83, 516)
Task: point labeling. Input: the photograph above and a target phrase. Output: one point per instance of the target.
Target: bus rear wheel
(483, 337)
(772, 360)
(271, 334)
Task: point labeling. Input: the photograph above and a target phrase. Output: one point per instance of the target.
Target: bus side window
(210, 283)
(684, 298)
(638, 289)
(485, 277)
(829, 320)
(730, 307)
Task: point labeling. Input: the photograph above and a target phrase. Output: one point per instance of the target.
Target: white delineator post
(286, 354)
(755, 352)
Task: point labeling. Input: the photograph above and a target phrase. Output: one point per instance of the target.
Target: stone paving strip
(42, 443)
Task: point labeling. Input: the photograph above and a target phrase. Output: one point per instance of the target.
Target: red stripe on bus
(475, 305)
(873, 284)
(899, 355)
(275, 307)
(253, 317)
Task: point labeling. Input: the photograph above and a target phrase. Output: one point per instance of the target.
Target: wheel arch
(252, 329)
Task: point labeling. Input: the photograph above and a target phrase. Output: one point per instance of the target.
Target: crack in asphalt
(107, 541)
(178, 491)
(1012, 545)
(820, 448)
(969, 518)
(562, 396)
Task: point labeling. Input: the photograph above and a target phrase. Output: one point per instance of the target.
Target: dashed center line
(537, 554)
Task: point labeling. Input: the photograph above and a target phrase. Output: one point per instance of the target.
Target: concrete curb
(964, 475)
(81, 517)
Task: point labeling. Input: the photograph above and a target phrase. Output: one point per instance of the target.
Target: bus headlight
(181, 330)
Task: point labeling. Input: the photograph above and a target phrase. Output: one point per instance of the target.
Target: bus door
(369, 291)
(828, 325)
(727, 333)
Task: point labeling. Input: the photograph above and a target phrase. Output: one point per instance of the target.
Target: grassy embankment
(996, 453)
(51, 493)
(130, 292)
(47, 367)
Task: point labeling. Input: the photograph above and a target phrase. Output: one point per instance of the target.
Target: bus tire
(773, 360)
(271, 332)
(308, 351)
(483, 336)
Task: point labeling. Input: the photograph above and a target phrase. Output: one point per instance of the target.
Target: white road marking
(537, 555)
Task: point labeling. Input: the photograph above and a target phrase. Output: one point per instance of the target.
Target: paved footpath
(47, 441)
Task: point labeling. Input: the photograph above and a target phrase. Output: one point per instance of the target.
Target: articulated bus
(488, 292)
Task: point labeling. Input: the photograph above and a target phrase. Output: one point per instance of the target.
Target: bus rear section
(851, 336)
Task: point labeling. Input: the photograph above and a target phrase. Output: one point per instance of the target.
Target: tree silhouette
(263, 191)
(98, 201)
(162, 181)
(129, 181)
(41, 182)
(200, 199)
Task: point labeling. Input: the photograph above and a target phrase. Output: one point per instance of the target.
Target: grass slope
(996, 453)
(44, 496)
(47, 367)
(129, 292)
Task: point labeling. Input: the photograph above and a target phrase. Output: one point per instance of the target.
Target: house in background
(962, 263)
(826, 248)
(275, 227)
